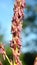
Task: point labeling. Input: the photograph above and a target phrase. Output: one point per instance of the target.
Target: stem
(13, 58)
(8, 60)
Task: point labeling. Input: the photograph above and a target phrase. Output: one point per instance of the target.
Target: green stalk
(8, 60)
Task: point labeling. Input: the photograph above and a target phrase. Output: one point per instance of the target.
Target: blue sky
(6, 13)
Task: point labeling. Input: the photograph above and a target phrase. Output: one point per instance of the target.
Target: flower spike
(16, 29)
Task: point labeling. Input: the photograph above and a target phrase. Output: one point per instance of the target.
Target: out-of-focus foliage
(29, 43)
(1, 38)
(31, 16)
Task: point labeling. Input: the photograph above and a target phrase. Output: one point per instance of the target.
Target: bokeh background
(28, 34)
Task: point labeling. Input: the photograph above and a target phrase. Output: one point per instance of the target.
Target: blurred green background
(29, 31)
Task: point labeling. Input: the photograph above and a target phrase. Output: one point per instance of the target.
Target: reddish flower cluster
(16, 29)
(35, 61)
(2, 50)
(0, 63)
